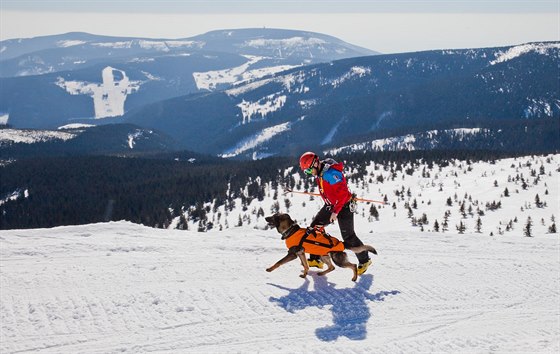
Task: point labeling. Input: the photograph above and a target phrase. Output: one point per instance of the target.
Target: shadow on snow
(350, 310)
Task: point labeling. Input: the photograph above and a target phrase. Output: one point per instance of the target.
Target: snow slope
(120, 287)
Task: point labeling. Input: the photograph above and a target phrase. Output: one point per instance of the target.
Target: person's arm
(338, 193)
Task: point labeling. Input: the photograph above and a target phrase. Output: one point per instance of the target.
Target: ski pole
(318, 195)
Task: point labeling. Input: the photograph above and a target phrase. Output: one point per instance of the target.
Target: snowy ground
(120, 287)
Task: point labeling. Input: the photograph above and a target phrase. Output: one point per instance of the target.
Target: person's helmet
(307, 159)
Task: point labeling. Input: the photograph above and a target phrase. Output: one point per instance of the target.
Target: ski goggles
(308, 171)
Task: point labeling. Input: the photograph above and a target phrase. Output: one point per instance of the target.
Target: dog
(314, 241)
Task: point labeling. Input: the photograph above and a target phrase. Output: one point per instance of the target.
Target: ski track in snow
(119, 287)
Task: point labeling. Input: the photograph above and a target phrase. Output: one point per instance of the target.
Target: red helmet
(307, 159)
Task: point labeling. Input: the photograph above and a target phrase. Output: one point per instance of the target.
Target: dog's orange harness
(314, 241)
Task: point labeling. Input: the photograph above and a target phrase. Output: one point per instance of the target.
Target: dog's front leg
(304, 263)
(288, 258)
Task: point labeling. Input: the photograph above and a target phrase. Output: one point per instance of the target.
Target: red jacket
(332, 184)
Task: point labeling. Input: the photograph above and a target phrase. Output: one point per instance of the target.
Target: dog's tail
(362, 248)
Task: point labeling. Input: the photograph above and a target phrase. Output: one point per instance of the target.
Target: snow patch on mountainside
(114, 45)
(409, 142)
(244, 88)
(211, 80)
(75, 126)
(262, 107)
(160, 46)
(18, 193)
(355, 71)
(69, 43)
(4, 118)
(134, 137)
(287, 46)
(540, 107)
(257, 139)
(109, 96)
(28, 136)
(34, 65)
(514, 52)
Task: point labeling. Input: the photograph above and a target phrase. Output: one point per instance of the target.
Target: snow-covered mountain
(363, 99)
(257, 93)
(116, 287)
(84, 76)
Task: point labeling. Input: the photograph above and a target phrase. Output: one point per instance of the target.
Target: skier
(338, 204)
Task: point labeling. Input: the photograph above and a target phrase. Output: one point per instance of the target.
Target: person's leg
(346, 224)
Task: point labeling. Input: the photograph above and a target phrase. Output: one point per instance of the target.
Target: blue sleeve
(332, 176)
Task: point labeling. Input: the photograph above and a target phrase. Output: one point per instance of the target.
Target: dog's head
(282, 222)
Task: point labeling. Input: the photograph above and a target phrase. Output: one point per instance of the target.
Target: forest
(53, 191)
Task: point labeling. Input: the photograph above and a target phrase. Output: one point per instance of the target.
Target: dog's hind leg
(341, 260)
(329, 264)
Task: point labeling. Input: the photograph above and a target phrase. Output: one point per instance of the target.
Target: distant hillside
(46, 82)
(360, 99)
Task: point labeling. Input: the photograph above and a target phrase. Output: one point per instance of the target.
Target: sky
(387, 26)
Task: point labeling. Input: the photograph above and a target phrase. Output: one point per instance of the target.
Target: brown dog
(314, 241)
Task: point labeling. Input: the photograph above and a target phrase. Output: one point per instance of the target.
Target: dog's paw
(269, 270)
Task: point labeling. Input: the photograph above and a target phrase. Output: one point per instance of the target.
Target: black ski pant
(346, 224)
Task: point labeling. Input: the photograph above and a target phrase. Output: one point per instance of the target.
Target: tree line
(154, 191)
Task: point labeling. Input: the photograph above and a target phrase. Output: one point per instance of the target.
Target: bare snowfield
(120, 287)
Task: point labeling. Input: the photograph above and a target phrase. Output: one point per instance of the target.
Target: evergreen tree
(461, 227)
(538, 202)
(436, 226)
(288, 204)
(374, 212)
(478, 226)
(527, 230)
(449, 202)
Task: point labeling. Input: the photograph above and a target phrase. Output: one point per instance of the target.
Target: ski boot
(362, 267)
(317, 263)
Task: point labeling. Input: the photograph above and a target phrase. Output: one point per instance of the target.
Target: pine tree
(436, 226)
(538, 202)
(478, 226)
(461, 227)
(373, 212)
(527, 230)
(288, 204)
